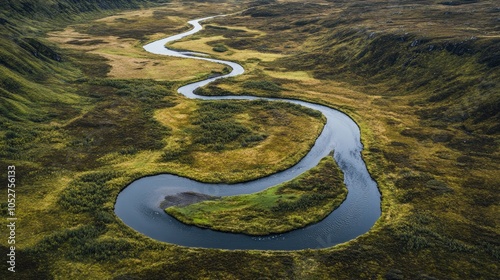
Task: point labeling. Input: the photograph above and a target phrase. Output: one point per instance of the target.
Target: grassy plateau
(85, 111)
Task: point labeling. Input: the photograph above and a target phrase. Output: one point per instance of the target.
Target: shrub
(219, 48)
(87, 193)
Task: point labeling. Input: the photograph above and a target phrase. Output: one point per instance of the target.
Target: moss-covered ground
(420, 79)
(295, 204)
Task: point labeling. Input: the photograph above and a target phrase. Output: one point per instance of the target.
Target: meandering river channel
(138, 204)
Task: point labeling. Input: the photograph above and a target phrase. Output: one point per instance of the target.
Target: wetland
(86, 111)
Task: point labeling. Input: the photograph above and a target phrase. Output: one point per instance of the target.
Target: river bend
(138, 204)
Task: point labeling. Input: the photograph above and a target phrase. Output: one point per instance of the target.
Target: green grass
(235, 141)
(421, 88)
(220, 48)
(292, 205)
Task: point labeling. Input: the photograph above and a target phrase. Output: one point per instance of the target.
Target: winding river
(138, 204)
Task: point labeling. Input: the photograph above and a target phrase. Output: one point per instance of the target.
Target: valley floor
(85, 112)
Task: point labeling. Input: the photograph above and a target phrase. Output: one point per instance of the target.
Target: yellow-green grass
(206, 45)
(289, 136)
(124, 52)
(250, 59)
(129, 61)
(397, 142)
(295, 204)
(423, 232)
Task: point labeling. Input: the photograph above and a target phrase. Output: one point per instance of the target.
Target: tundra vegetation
(84, 111)
(306, 199)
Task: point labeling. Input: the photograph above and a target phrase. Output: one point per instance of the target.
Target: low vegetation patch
(421, 82)
(234, 141)
(291, 205)
(220, 48)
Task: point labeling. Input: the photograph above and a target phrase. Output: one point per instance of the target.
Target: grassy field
(235, 141)
(125, 56)
(420, 79)
(307, 199)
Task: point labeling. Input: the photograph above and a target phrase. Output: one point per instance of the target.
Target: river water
(138, 204)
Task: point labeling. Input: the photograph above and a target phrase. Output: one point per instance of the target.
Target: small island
(295, 204)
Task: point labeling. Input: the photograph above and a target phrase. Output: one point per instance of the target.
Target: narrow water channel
(138, 204)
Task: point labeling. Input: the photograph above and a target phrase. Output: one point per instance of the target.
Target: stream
(137, 205)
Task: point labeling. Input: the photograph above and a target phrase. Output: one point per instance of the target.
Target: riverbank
(305, 200)
(341, 134)
(355, 57)
(185, 199)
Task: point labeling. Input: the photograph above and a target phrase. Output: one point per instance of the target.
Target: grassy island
(291, 205)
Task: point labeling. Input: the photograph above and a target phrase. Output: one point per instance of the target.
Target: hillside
(31, 67)
(420, 78)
